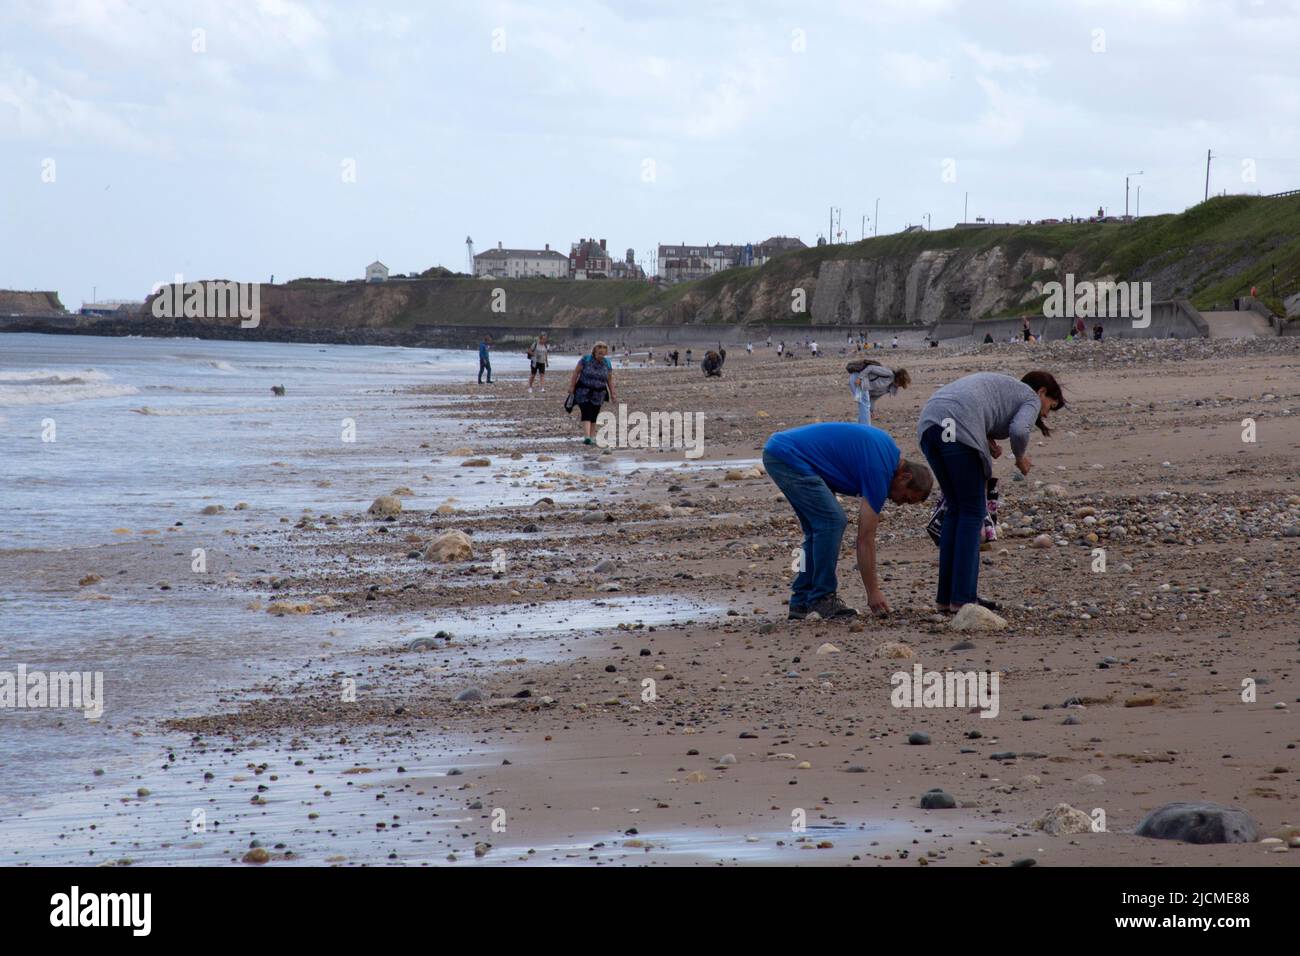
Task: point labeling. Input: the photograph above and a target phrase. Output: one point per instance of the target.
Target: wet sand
(565, 760)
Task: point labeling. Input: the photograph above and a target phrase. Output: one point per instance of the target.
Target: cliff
(29, 303)
(1212, 253)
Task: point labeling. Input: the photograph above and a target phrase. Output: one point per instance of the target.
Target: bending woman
(869, 380)
(959, 431)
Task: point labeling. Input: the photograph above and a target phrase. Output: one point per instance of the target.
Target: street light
(1138, 173)
(875, 223)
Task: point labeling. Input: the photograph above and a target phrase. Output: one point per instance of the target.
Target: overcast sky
(223, 139)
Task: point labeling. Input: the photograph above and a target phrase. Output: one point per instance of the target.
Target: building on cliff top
(376, 272)
(502, 263)
(684, 263)
(589, 259)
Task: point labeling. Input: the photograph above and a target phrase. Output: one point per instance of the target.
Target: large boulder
(386, 506)
(1064, 818)
(450, 546)
(975, 617)
(1199, 822)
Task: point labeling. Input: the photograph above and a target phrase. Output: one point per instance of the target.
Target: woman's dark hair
(901, 378)
(1040, 379)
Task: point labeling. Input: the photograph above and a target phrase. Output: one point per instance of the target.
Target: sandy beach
(632, 692)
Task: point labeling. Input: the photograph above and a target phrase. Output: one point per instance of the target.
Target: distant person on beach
(1098, 332)
(1024, 327)
(749, 347)
(484, 362)
(688, 356)
(869, 380)
(780, 349)
(812, 347)
(712, 364)
(590, 386)
(988, 338)
(959, 430)
(894, 344)
(537, 356)
(769, 341)
(812, 464)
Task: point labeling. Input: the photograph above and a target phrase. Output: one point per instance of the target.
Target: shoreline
(708, 553)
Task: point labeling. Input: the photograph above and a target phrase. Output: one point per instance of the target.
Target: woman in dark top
(591, 385)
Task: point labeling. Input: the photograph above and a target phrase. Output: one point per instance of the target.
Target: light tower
(469, 253)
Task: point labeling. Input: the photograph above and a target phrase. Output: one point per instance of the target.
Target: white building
(376, 272)
(502, 263)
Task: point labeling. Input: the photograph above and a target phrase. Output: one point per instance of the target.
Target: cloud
(991, 61)
(32, 110)
(914, 71)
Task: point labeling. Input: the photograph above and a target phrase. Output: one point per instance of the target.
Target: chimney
(602, 245)
(548, 247)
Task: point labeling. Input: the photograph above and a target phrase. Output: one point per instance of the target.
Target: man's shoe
(831, 607)
(797, 612)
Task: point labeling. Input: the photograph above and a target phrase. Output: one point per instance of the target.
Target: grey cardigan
(983, 406)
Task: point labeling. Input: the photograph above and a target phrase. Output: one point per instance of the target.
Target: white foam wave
(46, 394)
(52, 376)
(197, 411)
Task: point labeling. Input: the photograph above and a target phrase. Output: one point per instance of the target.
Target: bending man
(811, 465)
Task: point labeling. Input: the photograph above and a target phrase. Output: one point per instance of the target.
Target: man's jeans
(959, 469)
(823, 523)
(484, 365)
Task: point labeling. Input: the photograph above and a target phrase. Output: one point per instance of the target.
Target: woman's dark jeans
(959, 469)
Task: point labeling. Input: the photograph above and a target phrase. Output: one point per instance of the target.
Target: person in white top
(537, 355)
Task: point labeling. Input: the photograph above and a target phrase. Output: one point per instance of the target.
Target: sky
(244, 140)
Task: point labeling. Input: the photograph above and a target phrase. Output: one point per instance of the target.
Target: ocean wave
(60, 394)
(198, 410)
(52, 376)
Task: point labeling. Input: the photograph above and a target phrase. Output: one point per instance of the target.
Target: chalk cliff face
(28, 303)
(1209, 254)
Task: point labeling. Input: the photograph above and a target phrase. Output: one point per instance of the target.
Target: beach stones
(596, 517)
(470, 695)
(450, 546)
(894, 650)
(1063, 818)
(476, 463)
(918, 738)
(937, 799)
(1041, 541)
(1199, 822)
(386, 506)
(974, 617)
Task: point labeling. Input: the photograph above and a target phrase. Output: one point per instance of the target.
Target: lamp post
(1137, 213)
(875, 223)
(1138, 173)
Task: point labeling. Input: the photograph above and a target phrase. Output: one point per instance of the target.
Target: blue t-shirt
(482, 350)
(852, 459)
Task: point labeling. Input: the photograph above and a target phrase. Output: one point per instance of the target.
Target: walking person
(959, 431)
(869, 380)
(537, 358)
(590, 386)
(813, 463)
(484, 361)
